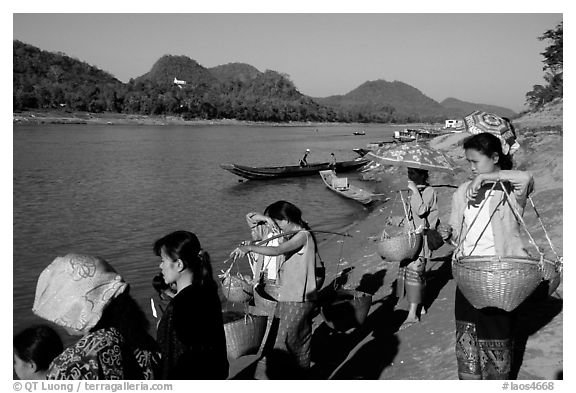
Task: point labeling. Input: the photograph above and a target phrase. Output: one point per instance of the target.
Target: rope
(521, 219)
(338, 263)
(405, 211)
(461, 239)
(544, 229)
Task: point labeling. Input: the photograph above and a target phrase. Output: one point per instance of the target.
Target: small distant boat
(276, 172)
(341, 186)
(359, 133)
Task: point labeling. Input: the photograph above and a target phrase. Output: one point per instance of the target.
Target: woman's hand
(474, 186)
(239, 251)
(445, 231)
(412, 186)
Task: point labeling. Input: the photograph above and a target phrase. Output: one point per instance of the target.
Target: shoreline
(62, 117)
(378, 349)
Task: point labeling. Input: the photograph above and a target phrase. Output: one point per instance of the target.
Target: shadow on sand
(531, 316)
(362, 352)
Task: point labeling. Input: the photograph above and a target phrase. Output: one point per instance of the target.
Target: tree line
(54, 81)
(553, 70)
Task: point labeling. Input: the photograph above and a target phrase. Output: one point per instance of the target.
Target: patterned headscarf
(74, 290)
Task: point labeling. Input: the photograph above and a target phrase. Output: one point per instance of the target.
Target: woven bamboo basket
(400, 248)
(265, 299)
(344, 309)
(244, 335)
(236, 289)
(493, 281)
(552, 272)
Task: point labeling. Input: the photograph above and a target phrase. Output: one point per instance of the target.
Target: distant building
(179, 82)
(454, 124)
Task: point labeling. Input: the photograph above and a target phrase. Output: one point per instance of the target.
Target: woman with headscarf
(86, 296)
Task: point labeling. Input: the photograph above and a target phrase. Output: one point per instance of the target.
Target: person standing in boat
(333, 162)
(483, 222)
(191, 332)
(423, 214)
(303, 160)
(297, 292)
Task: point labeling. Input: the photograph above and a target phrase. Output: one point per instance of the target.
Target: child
(34, 350)
(423, 214)
(484, 337)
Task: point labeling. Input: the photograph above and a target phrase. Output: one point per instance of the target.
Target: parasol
(479, 121)
(412, 156)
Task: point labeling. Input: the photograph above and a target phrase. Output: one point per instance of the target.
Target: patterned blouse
(103, 354)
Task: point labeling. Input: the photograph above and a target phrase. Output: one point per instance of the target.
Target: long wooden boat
(340, 186)
(276, 172)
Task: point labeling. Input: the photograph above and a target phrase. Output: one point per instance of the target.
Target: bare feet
(411, 320)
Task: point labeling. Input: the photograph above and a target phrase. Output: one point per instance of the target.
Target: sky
(488, 58)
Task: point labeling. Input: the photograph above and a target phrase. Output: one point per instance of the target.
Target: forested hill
(235, 72)
(388, 101)
(53, 80)
(178, 85)
(461, 108)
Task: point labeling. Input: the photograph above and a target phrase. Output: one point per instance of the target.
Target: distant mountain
(182, 68)
(396, 99)
(235, 72)
(458, 108)
(44, 80)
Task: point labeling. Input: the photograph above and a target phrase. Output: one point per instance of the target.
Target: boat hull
(351, 192)
(268, 173)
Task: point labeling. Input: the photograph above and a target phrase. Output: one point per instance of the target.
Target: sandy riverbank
(63, 117)
(377, 350)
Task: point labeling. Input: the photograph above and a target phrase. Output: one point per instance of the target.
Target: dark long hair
(282, 210)
(185, 246)
(418, 176)
(125, 315)
(40, 344)
(488, 144)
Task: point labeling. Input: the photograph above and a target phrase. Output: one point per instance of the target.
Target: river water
(112, 190)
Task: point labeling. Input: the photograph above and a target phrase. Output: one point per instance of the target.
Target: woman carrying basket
(297, 289)
(484, 223)
(423, 214)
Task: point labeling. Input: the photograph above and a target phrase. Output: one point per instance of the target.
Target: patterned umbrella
(412, 155)
(479, 121)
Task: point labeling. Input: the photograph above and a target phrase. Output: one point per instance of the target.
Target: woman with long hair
(297, 286)
(191, 331)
